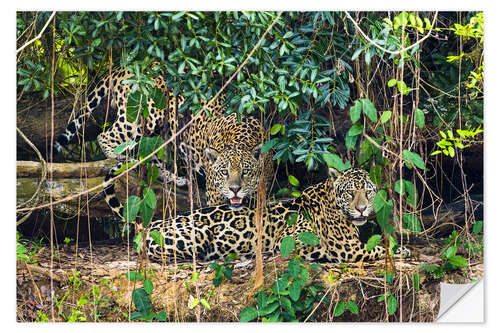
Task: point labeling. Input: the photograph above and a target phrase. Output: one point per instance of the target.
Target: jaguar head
(235, 172)
(354, 193)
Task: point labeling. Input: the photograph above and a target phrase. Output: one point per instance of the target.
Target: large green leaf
(392, 304)
(141, 300)
(159, 98)
(248, 314)
(287, 246)
(295, 288)
(334, 161)
(136, 103)
(372, 242)
(419, 118)
(308, 238)
(458, 261)
(411, 222)
(414, 158)
(369, 109)
(355, 111)
(131, 208)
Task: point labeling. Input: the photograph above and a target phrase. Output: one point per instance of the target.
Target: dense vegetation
(399, 94)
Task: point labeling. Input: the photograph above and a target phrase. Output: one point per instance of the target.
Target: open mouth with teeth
(235, 202)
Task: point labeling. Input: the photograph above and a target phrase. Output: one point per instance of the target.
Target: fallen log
(64, 170)
(70, 179)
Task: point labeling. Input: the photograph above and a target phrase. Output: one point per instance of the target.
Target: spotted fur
(335, 206)
(213, 145)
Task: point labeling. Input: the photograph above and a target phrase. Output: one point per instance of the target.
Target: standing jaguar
(228, 151)
(335, 206)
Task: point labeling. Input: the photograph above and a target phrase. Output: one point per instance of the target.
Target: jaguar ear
(257, 151)
(333, 173)
(211, 155)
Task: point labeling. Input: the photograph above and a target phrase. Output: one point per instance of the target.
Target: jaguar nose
(361, 208)
(235, 189)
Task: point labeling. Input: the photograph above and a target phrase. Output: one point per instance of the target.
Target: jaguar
(224, 149)
(332, 210)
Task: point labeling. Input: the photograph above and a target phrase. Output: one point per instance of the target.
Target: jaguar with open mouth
(236, 173)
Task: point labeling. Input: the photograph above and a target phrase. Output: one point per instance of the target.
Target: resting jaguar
(336, 206)
(228, 151)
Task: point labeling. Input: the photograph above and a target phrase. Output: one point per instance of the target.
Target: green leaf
(308, 238)
(148, 145)
(134, 276)
(451, 251)
(269, 308)
(287, 246)
(477, 227)
(178, 16)
(353, 307)
(386, 115)
(380, 200)
(392, 304)
(350, 141)
(149, 198)
(339, 309)
(124, 167)
(295, 288)
(294, 268)
(161, 316)
(261, 300)
(131, 208)
(355, 130)
(205, 303)
(275, 129)
(292, 218)
(392, 82)
(355, 111)
(136, 103)
(248, 314)
(292, 180)
(416, 281)
(141, 300)
(269, 144)
(123, 146)
(411, 222)
(414, 158)
(458, 261)
(369, 109)
(137, 242)
(372, 242)
(159, 98)
(148, 286)
(334, 161)
(383, 216)
(157, 237)
(419, 118)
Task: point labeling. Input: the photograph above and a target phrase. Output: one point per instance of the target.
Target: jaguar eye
(245, 172)
(224, 172)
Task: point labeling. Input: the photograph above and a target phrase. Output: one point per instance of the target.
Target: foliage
(292, 296)
(305, 140)
(223, 271)
(449, 143)
(451, 261)
(141, 299)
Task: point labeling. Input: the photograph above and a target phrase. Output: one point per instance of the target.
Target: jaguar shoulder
(336, 207)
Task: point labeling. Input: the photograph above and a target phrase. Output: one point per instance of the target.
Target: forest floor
(90, 284)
